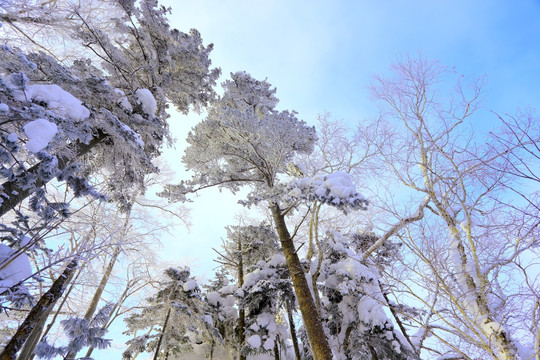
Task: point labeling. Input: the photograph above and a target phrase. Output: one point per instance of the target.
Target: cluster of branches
(451, 278)
(72, 189)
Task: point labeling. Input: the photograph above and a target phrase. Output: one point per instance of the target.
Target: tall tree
(244, 140)
(106, 111)
(468, 236)
(173, 319)
(120, 103)
(245, 245)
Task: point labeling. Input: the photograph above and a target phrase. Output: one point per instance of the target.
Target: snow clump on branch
(40, 132)
(58, 101)
(335, 189)
(147, 101)
(14, 267)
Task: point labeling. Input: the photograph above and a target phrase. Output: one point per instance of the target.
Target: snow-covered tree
(243, 248)
(118, 102)
(173, 320)
(266, 290)
(354, 304)
(469, 237)
(244, 140)
(105, 110)
(220, 297)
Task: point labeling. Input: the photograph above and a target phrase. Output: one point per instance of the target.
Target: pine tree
(353, 302)
(173, 320)
(244, 247)
(265, 293)
(104, 111)
(81, 333)
(244, 140)
(221, 298)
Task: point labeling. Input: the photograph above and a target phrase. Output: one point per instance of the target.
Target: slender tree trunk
(35, 335)
(241, 310)
(373, 353)
(500, 340)
(30, 344)
(156, 355)
(292, 327)
(99, 291)
(276, 350)
(314, 328)
(16, 186)
(45, 302)
(314, 238)
(346, 340)
(105, 279)
(396, 317)
(241, 332)
(108, 321)
(101, 287)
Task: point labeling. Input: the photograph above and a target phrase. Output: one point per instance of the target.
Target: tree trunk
(499, 340)
(373, 353)
(346, 340)
(108, 322)
(314, 328)
(293, 331)
(35, 335)
(162, 334)
(14, 186)
(99, 291)
(45, 302)
(53, 320)
(276, 350)
(105, 279)
(241, 310)
(398, 320)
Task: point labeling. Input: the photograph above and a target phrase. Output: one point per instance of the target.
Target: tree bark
(346, 340)
(241, 310)
(97, 294)
(17, 193)
(293, 331)
(48, 300)
(156, 355)
(31, 346)
(276, 350)
(35, 335)
(314, 328)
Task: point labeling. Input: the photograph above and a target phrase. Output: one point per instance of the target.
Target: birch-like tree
(469, 241)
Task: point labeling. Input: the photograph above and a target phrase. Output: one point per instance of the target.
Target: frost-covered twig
(418, 216)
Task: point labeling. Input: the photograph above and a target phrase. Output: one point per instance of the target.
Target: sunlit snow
(14, 267)
(40, 132)
(147, 101)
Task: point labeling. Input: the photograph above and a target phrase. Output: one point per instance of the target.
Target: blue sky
(322, 55)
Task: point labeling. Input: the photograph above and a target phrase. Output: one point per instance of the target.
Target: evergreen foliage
(173, 320)
(93, 125)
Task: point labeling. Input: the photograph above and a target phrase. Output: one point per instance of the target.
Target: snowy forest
(406, 236)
